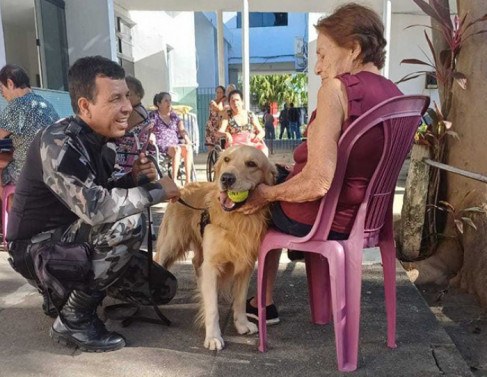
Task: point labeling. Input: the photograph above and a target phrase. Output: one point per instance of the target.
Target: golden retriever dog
(226, 250)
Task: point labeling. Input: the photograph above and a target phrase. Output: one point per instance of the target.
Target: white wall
(314, 81)
(206, 59)
(90, 29)
(153, 33)
(2, 43)
(406, 44)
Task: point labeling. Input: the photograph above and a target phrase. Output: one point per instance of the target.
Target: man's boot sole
(69, 341)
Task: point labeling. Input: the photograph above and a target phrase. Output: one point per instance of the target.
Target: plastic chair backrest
(399, 117)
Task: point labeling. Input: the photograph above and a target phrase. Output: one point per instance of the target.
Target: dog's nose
(227, 180)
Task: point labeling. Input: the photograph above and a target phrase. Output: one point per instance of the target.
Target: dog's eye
(226, 159)
(250, 164)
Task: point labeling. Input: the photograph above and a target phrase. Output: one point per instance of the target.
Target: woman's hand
(229, 138)
(255, 202)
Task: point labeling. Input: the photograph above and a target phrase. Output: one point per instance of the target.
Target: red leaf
(430, 44)
(443, 12)
(416, 61)
(433, 13)
(471, 35)
(480, 19)
(445, 58)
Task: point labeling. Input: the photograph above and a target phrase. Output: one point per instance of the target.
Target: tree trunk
(468, 116)
(410, 235)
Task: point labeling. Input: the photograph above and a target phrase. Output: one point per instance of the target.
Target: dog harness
(204, 221)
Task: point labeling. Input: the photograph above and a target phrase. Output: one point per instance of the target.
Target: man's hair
(355, 23)
(158, 98)
(135, 86)
(15, 73)
(82, 77)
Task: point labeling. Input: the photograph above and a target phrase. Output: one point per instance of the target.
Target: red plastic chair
(334, 268)
(7, 193)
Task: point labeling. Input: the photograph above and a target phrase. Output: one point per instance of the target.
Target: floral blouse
(23, 117)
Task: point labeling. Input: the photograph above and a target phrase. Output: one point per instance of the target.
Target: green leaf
(453, 134)
(446, 204)
(469, 222)
(475, 209)
(459, 225)
(460, 79)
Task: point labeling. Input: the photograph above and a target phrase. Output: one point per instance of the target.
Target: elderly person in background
(168, 129)
(24, 115)
(350, 53)
(214, 118)
(127, 146)
(241, 126)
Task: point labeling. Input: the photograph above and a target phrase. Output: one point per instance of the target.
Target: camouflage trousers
(113, 246)
(119, 266)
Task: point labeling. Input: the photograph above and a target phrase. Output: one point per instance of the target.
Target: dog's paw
(214, 343)
(246, 327)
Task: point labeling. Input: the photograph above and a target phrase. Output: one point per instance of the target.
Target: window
(258, 19)
(124, 43)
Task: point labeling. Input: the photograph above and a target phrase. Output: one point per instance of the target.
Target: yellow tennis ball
(238, 197)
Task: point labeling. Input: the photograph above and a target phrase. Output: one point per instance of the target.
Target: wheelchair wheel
(210, 164)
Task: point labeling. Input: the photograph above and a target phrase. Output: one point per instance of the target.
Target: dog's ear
(270, 174)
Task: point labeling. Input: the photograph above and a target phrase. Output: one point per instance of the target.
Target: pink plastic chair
(334, 268)
(7, 193)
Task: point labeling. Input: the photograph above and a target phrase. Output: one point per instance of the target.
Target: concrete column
(245, 53)
(3, 58)
(220, 47)
(387, 34)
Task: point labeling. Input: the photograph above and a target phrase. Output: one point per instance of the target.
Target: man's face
(108, 113)
(6, 90)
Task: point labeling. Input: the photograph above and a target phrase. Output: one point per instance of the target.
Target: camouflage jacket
(71, 178)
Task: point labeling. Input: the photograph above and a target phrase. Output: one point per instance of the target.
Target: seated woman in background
(241, 126)
(214, 119)
(127, 146)
(168, 129)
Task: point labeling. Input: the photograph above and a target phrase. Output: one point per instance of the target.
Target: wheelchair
(164, 162)
(212, 158)
(165, 165)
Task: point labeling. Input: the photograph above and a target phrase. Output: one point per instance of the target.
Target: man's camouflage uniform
(66, 191)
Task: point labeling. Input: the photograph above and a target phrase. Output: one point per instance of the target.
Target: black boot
(79, 325)
(50, 303)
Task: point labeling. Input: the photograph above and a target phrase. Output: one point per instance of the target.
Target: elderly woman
(127, 147)
(168, 129)
(241, 126)
(214, 118)
(350, 53)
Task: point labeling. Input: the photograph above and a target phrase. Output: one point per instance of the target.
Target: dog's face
(240, 169)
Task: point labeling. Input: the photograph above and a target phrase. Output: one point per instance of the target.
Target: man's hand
(143, 168)
(170, 188)
(255, 202)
